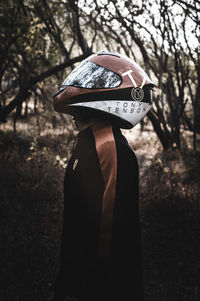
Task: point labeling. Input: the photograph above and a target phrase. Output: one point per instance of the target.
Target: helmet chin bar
(129, 111)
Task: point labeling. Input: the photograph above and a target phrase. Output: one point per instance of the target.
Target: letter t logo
(130, 76)
(132, 79)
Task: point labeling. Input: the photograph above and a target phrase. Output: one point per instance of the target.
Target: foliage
(178, 174)
(31, 213)
(34, 35)
(170, 207)
(31, 185)
(40, 39)
(163, 36)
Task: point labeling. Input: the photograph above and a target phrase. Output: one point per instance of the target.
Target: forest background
(40, 44)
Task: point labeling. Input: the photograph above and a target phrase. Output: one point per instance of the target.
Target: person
(100, 253)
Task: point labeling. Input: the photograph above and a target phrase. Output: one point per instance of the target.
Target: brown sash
(107, 155)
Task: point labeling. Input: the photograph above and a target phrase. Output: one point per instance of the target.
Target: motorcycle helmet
(107, 84)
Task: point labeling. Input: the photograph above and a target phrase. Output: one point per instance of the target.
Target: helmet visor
(92, 76)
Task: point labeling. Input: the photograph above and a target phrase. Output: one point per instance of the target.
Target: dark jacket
(84, 272)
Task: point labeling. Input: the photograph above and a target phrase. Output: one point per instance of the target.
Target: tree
(33, 48)
(156, 34)
(40, 39)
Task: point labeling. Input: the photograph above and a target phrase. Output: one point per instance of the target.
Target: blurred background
(40, 43)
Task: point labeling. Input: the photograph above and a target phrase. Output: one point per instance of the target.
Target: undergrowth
(31, 208)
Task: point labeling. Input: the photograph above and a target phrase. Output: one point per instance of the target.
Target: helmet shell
(107, 84)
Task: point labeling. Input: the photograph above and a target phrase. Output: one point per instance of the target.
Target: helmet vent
(108, 53)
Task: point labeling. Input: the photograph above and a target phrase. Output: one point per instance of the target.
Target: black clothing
(84, 274)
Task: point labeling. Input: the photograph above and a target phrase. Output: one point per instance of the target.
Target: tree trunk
(159, 131)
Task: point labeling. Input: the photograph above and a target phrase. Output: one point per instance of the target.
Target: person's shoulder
(122, 144)
(125, 150)
(126, 158)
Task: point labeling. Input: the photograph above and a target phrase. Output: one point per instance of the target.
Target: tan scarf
(107, 155)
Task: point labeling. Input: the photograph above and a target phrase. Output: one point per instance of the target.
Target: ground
(31, 206)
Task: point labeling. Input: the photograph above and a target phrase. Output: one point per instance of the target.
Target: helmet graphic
(107, 84)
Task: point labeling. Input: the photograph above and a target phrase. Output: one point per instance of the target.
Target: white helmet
(107, 84)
